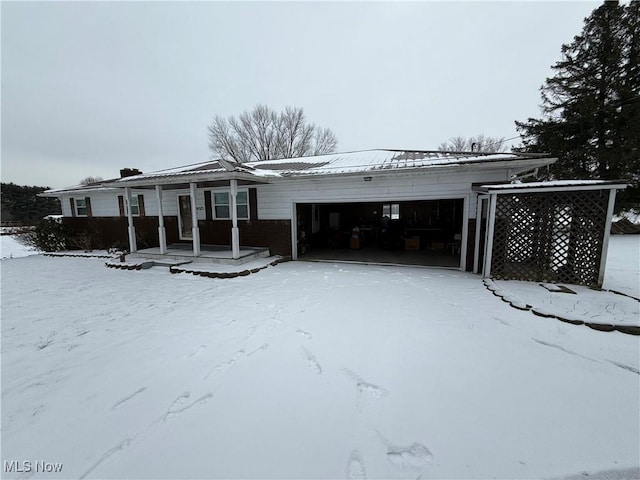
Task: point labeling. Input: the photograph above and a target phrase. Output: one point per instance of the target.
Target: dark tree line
(591, 105)
(22, 205)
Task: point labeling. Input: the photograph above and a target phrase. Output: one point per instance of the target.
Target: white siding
(104, 204)
(66, 207)
(275, 200)
(170, 202)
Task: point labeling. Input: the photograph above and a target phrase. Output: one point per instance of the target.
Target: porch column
(476, 248)
(486, 271)
(195, 231)
(465, 234)
(607, 233)
(235, 234)
(133, 247)
(162, 234)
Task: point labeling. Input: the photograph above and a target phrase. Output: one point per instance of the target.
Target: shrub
(48, 236)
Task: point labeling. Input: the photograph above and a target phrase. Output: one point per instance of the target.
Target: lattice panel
(550, 236)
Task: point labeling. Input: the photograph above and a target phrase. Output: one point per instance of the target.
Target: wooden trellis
(548, 234)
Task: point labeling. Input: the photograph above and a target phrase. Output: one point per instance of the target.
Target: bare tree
(90, 180)
(478, 143)
(264, 134)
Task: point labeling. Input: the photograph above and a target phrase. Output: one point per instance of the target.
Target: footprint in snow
(312, 362)
(365, 388)
(181, 404)
(37, 410)
(304, 334)
(259, 349)
(251, 330)
(197, 350)
(414, 457)
(355, 466)
(224, 367)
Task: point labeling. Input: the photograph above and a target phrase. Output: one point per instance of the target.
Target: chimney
(129, 172)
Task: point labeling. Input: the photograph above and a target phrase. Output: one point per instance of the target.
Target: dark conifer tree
(591, 106)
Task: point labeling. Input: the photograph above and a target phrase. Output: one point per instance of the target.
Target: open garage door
(419, 232)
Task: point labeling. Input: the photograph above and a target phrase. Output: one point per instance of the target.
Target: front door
(184, 217)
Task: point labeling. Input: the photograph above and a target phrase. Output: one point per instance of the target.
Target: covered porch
(183, 252)
(197, 213)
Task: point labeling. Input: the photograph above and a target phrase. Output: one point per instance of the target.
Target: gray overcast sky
(89, 88)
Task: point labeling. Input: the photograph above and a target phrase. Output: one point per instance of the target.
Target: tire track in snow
(120, 402)
(177, 407)
(561, 348)
(106, 455)
(571, 352)
(625, 367)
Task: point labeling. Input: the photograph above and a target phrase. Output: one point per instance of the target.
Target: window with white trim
(221, 204)
(81, 207)
(135, 206)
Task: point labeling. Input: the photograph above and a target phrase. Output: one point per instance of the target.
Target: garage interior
(419, 232)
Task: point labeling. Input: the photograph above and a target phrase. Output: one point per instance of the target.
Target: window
(221, 201)
(135, 206)
(81, 207)
(222, 208)
(242, 204)
(391, 210)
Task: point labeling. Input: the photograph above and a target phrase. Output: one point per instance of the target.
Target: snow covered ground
(623, 265)
(622, 274)
(306, 370)
(12, 247)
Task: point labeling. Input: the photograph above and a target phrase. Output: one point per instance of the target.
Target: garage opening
(420, 232)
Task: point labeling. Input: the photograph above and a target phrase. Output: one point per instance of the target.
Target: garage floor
(374, 254)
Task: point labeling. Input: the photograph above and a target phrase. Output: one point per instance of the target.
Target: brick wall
(106, 232)
(109, 231)
(274, 234)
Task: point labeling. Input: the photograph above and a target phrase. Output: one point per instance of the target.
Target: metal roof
(347, 163)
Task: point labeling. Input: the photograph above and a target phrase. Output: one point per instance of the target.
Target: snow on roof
(343, 163)
(364, 161)
(103, 185)
(381, 160)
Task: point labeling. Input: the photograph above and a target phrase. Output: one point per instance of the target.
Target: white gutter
(552, 188)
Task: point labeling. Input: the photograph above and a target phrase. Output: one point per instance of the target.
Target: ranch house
(465, 210)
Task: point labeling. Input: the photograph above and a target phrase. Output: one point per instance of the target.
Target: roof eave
(517, 164)
(175, 179)
(64, 191)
